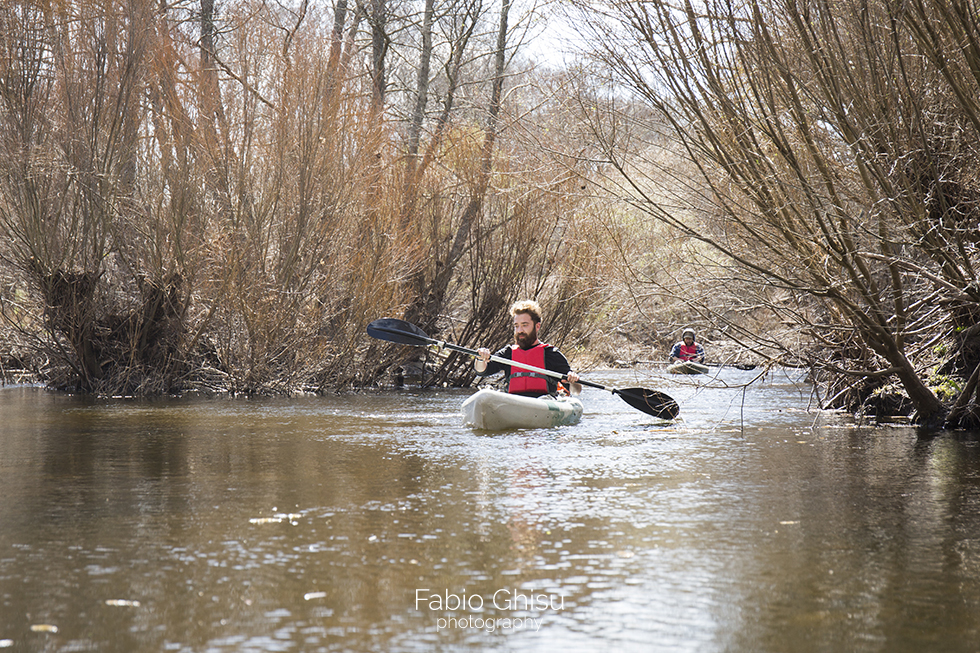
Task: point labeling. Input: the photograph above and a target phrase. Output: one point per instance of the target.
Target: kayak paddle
(651, 402)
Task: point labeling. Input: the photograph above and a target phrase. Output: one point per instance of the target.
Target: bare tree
(816, 131)
(211, 195)
(432, 282)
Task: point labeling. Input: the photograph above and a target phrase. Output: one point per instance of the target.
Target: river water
(377, 522)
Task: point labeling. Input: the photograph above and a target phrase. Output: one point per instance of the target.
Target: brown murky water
(377, 522)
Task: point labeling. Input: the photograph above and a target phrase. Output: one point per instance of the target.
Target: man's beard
(524, 340)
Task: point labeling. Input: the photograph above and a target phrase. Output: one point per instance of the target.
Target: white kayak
(687, 367)
(494, 410)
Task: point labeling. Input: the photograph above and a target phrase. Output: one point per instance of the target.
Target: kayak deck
(687, 367)
(493, 410)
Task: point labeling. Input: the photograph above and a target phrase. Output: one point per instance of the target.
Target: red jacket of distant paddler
(686, 352)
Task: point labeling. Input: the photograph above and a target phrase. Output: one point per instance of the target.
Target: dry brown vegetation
(221, 198)
(222, 201)
(830, 153)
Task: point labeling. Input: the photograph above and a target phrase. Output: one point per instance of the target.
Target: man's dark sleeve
(555, 361)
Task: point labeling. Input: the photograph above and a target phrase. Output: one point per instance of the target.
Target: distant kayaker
(529, 350)
(687, 349)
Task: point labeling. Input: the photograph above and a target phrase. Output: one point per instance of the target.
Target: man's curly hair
(529, 307)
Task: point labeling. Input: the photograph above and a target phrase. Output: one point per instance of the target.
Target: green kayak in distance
(687, 367)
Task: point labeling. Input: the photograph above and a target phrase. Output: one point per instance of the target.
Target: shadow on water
(376, 521)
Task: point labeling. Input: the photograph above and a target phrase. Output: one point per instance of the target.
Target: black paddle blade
(400, 331)
(650, 402)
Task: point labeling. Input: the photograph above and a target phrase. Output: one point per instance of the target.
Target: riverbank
(867, 398)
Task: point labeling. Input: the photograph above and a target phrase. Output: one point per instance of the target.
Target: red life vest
(524, 381)
(689, 353)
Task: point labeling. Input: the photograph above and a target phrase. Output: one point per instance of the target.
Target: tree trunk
(429, 302)
(379, 50)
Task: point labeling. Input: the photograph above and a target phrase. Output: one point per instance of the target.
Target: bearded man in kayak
(529, 350)
(687, 349)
